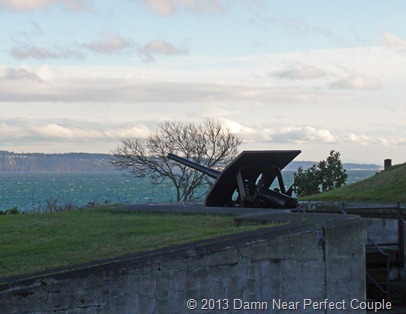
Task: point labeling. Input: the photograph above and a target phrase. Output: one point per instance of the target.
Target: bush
(11, 211)
(306, 181)
(327, 175)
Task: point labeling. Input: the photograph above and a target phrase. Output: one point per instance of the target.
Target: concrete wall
(319, 258)
(384, 226)
(383, 230)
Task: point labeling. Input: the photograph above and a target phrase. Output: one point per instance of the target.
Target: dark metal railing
(387, 277)
(381, 247)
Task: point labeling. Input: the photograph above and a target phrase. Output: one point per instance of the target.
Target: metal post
(401, 237)
(387, 164)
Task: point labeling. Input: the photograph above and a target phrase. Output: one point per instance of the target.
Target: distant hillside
(385, 186)
(77, 162)
(348, 166)
(38, 162)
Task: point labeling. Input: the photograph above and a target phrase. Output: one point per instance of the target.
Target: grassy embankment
(385, 186)
(39, 242)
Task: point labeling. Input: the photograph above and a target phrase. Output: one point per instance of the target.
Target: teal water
(34, 191)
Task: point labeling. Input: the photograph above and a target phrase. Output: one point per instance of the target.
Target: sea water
(39, 191)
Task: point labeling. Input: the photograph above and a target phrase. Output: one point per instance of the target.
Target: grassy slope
(386, 186)
(37, 242)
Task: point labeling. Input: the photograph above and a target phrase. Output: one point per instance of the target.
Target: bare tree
(209, 143)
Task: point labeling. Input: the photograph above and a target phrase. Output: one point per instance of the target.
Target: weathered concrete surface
(369, 209)
(383, 230)
(315, 257)
(386, 226)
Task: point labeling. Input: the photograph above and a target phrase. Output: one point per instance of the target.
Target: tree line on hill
(80, 162)
(39, 162)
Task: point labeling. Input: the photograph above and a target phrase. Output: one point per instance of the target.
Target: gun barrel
(277, 200)
(210, 172)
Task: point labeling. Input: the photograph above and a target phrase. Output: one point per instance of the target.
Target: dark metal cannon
(249, 180)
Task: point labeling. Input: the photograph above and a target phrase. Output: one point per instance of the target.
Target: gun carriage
(249, 180)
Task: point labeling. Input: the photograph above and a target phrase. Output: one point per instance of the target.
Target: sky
(78, 75)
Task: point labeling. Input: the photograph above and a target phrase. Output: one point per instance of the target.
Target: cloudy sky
(78, 75)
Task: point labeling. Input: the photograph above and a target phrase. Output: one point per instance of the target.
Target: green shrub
(326, 176)
(11, 211)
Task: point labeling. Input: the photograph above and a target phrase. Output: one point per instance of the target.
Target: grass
(40, 242)
(385, 186)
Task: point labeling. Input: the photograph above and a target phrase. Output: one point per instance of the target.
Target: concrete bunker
(313, 257)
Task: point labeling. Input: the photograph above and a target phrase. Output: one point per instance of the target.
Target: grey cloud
(30, 30)
(21, 74)
(295, 25)
(41, 53)
(301, 26)
(300, 72)
(159, 47)
(128, 90)
(32, 52)
(110, 43)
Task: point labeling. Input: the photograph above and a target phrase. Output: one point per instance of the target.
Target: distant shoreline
(88, 162)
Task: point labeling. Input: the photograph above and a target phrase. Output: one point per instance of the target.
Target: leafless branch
(209, 143)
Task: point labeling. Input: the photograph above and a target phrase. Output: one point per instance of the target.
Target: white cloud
(221, 81)
(170, 7)
(237, 128)
(300, 72)
(393, 41)
(23, 128)
(101, 135)
(21, 5)
(360, 82)
(28, 5)
(52, 130)
(8, 131)
(126, 85)
(138, 130)
(301, 135)
(389, 142)
(357, 139)
(285, 134)
(77, 5)
(308, 135)
(136, 90)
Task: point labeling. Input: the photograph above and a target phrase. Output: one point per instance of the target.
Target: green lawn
(38, 242)
(386, 186)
